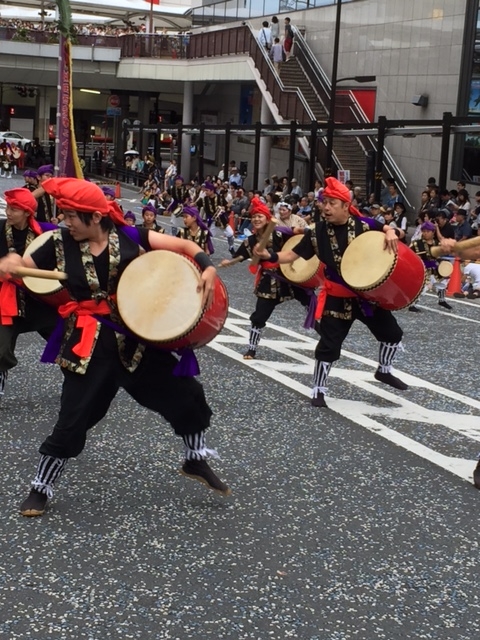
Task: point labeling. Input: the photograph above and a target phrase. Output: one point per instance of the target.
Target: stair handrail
(324, 81)
(389, 163)
(270, 64)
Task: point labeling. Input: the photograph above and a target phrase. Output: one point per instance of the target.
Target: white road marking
(360, 413)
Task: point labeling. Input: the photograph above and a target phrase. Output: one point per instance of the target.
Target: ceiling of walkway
(165, 14)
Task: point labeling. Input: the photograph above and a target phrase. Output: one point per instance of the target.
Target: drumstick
(39, 273)
(232, 262)
(263, 242)
(458, 248)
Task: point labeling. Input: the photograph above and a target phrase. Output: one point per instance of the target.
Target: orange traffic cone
(455, 282)
(231, 221)
(118, 192)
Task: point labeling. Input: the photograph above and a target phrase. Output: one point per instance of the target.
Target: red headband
(72, 194)
(23, 199)
(336, 189)
(257, 206)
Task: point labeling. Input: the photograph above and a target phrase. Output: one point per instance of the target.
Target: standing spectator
(285, 187)
(276, 54)
(235, 177)
(170, 174)
(265, 36)
(275, 28)
(288, 39)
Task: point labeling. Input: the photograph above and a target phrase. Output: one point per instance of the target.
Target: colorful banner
(68, 162)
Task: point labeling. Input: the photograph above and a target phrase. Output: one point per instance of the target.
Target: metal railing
(290, 102)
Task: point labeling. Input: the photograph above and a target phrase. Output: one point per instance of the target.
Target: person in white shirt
(265, 36)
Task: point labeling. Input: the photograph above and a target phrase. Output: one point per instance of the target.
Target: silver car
(13, 136)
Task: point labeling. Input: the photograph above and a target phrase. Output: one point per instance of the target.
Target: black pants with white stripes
(86, 398)
(333, 331)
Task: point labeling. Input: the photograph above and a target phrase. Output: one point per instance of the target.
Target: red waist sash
(330, 288)
(84, 311)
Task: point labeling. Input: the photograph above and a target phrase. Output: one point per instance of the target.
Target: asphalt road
(355, 522)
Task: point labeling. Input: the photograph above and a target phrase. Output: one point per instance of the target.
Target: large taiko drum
(158, 301)
(393, 281)
(50, 291)
(304, 273)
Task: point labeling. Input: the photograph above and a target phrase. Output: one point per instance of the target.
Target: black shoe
(232, 251)
(445, 305)
(34, 505)
(414, 309)
(391, 380)
(459, 295)
(250, 355)
(199, 470)
(476, 475)
(319, 401)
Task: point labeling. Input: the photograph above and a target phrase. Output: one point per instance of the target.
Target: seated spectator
(304, 208)
(471, 282)
(463, 230)
(389, 218)
(444, 228)
(376, 212)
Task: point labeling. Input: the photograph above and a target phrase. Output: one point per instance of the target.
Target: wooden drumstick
(232, 262)
(264, 241)
(458, 248)
(39, 273)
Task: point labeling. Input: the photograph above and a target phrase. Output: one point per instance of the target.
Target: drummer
(96, 360)
(472, 253)
(271, 288)
(338, 306)
(196, 230)
(149, 214)
(422, 248)
(19, 312)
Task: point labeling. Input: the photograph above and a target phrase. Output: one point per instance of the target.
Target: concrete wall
(413, 47)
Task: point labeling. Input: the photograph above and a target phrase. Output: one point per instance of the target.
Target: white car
(12, 136)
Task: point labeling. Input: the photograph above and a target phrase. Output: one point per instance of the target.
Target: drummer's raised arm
(171, 243)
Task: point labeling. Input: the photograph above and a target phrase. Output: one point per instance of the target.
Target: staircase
(349, 152)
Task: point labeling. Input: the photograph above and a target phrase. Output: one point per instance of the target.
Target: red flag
(154, 1)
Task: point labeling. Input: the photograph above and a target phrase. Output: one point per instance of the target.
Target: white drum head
(365, 263)
(40, 286)
(301, 270)
(157, 296)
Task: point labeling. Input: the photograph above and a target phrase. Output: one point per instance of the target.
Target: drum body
(304, 273)
(158, 301)
(393, 281)
(49, 291)
(445, 269)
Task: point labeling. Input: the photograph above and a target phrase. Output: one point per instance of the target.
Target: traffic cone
(231, 221)
(455, 282)
(118, 192)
